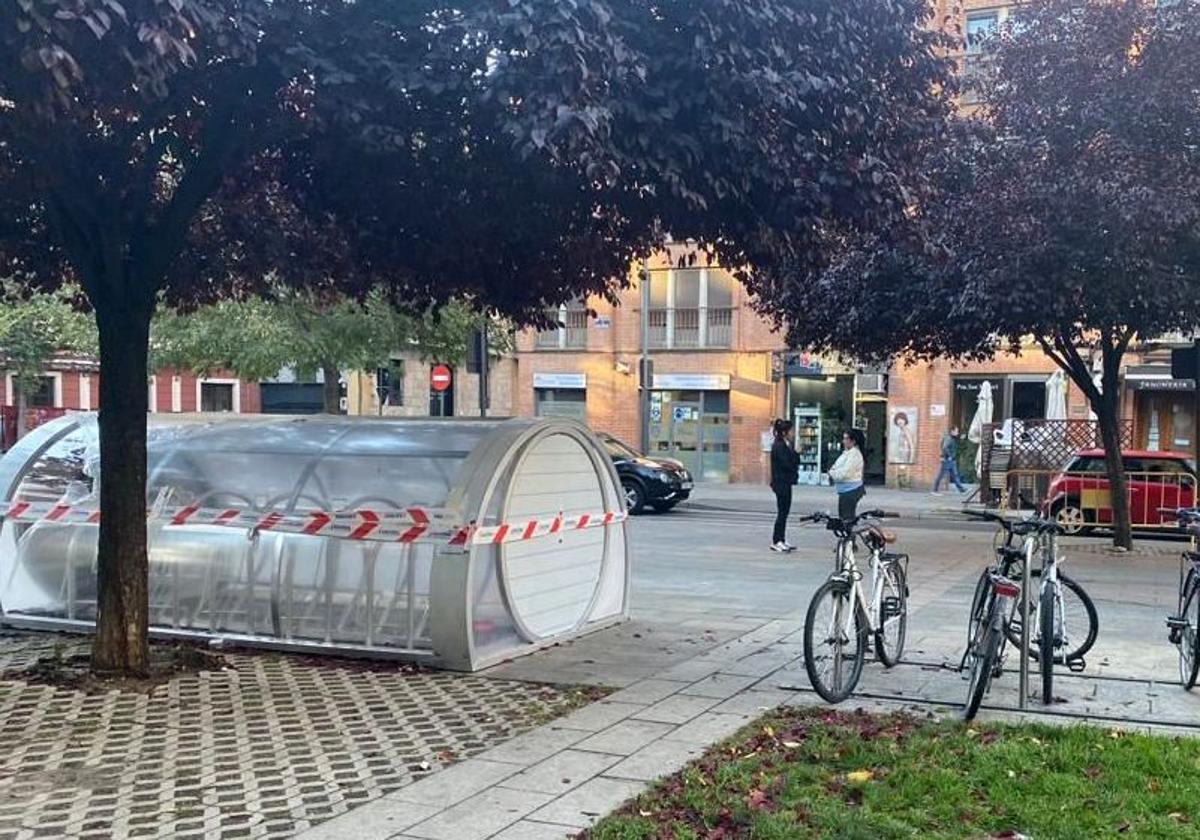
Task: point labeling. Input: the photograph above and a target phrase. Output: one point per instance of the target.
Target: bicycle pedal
(1076, 665)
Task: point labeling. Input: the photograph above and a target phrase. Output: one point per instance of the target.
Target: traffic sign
(439, 378)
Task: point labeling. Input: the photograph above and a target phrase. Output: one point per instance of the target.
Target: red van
(1080, 499)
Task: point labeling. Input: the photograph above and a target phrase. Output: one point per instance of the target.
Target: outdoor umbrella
(1056, 396)
(983, 417)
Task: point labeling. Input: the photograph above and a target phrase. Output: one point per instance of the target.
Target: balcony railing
(687, 329)
(570, 334)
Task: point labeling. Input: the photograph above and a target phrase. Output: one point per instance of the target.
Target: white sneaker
(787, 546)
(780, 547)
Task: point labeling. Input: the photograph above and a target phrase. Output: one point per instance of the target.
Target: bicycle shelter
(459, 543)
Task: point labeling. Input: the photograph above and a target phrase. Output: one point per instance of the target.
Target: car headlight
(665, 478)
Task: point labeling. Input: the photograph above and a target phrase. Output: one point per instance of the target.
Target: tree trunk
(121, 643)
(1108, 417)
(331, 392)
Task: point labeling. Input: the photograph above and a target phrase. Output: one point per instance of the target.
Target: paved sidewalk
(911, 504)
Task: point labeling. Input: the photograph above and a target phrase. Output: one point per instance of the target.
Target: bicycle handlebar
(1018, 527)
(821, 516)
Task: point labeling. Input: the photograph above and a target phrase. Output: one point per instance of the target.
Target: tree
(307, 332)
(515, 154)
(1068, 209)
(33, 329)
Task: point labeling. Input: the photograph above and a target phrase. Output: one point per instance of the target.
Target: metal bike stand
(1023, 701)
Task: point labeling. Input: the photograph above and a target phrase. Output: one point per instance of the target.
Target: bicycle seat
(886, 537)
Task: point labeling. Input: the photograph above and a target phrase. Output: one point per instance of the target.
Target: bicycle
(1052, 625)
(1184, 626)
(835, 644)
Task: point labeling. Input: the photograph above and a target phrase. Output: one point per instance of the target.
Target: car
(659, 483)
(1078, 497)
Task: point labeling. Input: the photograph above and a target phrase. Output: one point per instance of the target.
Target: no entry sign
(439, 378)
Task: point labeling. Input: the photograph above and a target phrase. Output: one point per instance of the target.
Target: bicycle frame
(848, 570)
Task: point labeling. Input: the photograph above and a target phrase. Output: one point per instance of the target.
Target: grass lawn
(823, 773)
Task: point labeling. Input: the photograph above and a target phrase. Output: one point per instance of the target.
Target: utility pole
(645, 374)
(483, 369)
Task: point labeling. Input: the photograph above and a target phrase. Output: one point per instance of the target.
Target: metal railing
(1083, 501)
(569, 334)
(691, 328)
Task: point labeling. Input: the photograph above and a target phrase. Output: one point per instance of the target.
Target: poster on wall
(902, 435)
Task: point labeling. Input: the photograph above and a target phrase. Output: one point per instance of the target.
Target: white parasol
(983, 417)
(1056, 396)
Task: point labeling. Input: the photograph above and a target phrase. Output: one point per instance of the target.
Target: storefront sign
(802, 364)
(560, 380)
(1162, 384)
(692, 381)
(937, 410)
(601, 323)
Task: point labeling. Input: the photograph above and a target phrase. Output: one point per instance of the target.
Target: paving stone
(597, 716)
(720, 686)
(530, 830)
(648, 691)
(535, 746)
(562, 772)
(483, 815)
(456, 783)
(376, 820)
(752, 702)
(583, 806)
(709, 728)
(625, 737)
(679, 708)
(656, 760)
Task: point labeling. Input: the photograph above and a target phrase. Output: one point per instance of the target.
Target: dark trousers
(848, 502)
(783, 506)
(949, 469)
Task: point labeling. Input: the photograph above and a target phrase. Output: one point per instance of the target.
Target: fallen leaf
(769, 732)
(1123, 827)
(860, 776)
(1178, 817)
(1012, 774)
(756, 798)
(791, 745)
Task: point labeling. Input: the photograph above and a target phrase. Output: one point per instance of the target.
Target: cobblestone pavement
(267, 748)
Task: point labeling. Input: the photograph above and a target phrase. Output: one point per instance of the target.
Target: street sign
(439, 378)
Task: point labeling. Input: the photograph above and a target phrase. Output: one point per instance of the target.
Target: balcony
(570, 334)
(691, 329)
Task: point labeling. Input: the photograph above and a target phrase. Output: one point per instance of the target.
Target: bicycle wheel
(893, 616)
(983, 662)
(979, 608)
(1189, 638)
(1047, 641)
(1078, 622)
(835, 641)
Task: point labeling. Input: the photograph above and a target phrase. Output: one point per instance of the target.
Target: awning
(1156, 378)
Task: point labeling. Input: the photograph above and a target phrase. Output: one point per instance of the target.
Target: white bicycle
(841, 615)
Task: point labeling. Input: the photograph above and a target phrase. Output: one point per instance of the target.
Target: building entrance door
(692, 428)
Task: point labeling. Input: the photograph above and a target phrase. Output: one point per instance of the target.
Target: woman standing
(847, 474)
(785, 469)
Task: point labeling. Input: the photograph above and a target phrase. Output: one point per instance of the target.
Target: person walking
(847, 474)
(785, 469)
(949, 467)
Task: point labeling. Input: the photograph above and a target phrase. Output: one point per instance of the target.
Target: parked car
(1079, 496)
(660, 483)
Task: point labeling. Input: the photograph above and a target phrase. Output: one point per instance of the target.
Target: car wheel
(635, 497)
(1070, 518)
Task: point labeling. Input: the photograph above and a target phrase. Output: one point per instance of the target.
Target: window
(562, 402)
(216, 396)
(1087, 464)
(618, 451)
(980, 27)
(568, 330)
(389, 384)
(43, 395)
(691, 308)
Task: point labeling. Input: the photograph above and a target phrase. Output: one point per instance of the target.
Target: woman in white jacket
(847, 474)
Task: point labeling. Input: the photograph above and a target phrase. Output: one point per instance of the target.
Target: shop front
(820, 401)
(560, 395)
(689, 421)
(1164, 409)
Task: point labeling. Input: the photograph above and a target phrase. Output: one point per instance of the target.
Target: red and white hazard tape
(407, 525)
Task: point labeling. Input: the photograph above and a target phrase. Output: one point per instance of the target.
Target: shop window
(1029, 400)
(216, 396)
(562, 402)
(43, 395)
(389, 383)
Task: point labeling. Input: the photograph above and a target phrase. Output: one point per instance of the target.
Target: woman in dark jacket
(785, 469)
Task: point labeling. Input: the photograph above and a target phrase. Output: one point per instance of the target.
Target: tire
(1071, 518)
(1072, 606)
(987, 649)
(1189, 641)
(1046, 642)
(824, 650)
(635, 497)
(979, 608)
(889, 646)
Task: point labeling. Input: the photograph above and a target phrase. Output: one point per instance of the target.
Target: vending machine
(808, 442)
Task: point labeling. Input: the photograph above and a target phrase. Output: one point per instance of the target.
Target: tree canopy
(1067, 208)
(512, 153)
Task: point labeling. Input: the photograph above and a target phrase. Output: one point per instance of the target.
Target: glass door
(685, 434)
